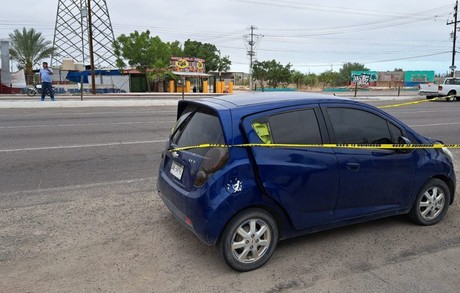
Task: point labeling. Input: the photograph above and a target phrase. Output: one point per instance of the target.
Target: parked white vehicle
(430, 90)
(450, 89)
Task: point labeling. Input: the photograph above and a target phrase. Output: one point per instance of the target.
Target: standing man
(45, 76)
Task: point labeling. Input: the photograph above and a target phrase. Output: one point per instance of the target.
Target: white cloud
(311, 35)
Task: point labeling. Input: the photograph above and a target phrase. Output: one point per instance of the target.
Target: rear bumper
(193, 210)
(175, 211)
(429, 94)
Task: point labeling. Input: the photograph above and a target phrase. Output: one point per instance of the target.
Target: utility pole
(251, 40)
(91, 51)
(452, 67)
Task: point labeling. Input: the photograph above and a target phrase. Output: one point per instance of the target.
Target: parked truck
(450, 89)
(429, 90)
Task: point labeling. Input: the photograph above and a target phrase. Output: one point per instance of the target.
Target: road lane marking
(435, 124)
(124, 112)
(85, 124)
(121, 143)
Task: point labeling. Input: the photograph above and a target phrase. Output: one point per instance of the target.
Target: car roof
(267, 100)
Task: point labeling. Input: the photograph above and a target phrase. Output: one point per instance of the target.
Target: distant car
(246, 198)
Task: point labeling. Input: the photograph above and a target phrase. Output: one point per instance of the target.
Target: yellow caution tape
(406, 104)
(346, 146)
(415, 102)
(330, 145)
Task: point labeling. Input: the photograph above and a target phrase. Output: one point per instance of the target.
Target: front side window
(360, 127)
(296, 127)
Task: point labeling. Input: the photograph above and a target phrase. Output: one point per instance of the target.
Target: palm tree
(161, 71)
(28, 47)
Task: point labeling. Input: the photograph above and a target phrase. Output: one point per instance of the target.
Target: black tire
(31, 92)
(452, 95)
(431, 203)
(253, 250)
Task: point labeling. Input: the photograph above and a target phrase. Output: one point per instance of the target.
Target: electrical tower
(251, 42)
(73, 32)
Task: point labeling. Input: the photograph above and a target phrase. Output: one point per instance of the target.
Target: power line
(333, 9)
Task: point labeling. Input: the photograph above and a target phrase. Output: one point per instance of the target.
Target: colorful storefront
(191, 75)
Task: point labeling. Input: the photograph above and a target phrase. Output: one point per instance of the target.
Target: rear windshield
(195, 127)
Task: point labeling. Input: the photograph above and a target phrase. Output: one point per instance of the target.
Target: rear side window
(199, 127)
(296, 127)
(361, 127)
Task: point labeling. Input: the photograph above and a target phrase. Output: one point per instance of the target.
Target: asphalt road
(79, 212)
(47, 148)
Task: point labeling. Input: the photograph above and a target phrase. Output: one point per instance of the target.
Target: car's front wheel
(431, 204)
(249, 240)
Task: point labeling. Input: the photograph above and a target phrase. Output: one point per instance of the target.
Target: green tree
(28, 47)
(224, 64)
(208, 52)
(311, 79)
(160, 72)
(298, 78)
(272, 72)
(345, 72)
(329, 78)
(259, 73)
(176, 49)
(145, 53)
(301, 79)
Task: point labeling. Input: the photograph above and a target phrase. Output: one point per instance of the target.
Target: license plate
(177, 170)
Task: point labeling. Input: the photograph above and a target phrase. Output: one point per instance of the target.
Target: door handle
(353, 166)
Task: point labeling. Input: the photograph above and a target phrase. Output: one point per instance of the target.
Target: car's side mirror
(403, 140)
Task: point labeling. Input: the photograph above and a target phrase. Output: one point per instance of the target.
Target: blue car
(236, 170)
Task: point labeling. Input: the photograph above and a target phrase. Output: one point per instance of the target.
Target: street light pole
(220, 66)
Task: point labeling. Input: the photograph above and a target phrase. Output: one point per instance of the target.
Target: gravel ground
(119, 237)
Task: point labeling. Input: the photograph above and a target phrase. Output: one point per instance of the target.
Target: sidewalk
(138, 100)
(67, 103)
(100, 100)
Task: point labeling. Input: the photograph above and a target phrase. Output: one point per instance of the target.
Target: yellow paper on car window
(262, 131)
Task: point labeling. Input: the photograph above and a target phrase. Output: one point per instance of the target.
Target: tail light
(440, 88)
(214, 160)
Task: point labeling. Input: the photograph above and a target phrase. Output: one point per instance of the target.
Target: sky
(313, 36)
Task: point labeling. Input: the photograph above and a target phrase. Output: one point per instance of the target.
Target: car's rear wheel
(249, 240)
(431, 204)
